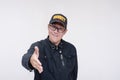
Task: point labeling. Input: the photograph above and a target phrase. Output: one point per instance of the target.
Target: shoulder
(68, 44)
(39, 43)
(69, 48)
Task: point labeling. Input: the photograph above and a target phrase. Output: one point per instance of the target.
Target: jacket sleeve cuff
(26, 62)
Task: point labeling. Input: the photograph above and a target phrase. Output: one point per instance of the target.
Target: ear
(65, 31)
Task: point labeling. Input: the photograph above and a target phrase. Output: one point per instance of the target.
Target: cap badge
(59, 17)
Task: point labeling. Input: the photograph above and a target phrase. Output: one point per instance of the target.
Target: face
(56, 32)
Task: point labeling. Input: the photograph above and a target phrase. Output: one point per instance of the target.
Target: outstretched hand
(35, 62)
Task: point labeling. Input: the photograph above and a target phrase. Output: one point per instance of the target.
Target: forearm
(26, 61)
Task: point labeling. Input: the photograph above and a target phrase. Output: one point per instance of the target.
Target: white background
(93, 27)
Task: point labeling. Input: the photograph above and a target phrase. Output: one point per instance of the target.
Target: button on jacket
(59, 62)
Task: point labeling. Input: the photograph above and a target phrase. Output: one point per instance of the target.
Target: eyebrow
(57, 26)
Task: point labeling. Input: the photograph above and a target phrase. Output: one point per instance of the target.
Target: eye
(60, 28)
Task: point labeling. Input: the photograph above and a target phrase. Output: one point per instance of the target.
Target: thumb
(36, 51)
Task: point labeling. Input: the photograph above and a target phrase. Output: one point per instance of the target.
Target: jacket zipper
(61, 56)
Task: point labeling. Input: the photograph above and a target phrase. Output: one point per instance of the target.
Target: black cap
(59, 18)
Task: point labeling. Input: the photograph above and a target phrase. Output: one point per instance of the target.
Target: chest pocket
(69, 61)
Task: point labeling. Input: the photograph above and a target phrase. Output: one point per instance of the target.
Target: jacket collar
(53, 46)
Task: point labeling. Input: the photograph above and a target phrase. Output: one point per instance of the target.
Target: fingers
(35, 61)
(38, 66)
(40, 69)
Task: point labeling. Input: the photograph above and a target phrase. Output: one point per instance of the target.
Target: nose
(56, 30)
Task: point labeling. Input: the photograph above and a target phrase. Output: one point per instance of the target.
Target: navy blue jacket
(59, 62)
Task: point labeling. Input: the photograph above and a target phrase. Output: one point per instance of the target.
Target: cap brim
(57, 21)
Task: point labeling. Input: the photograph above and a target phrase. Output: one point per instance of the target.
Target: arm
(26, 58)
(75, 71)
(30, 59)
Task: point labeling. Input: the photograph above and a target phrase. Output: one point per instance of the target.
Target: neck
(55, 43)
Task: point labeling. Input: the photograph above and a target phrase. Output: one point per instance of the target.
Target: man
(53, 58)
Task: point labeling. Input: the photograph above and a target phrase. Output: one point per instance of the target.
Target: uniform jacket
(59, 62)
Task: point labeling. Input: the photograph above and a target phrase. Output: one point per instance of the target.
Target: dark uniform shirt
(59, 62)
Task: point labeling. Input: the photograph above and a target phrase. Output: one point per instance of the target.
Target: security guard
(53, 58)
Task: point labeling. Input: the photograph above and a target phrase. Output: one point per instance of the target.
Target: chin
(56, 40)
